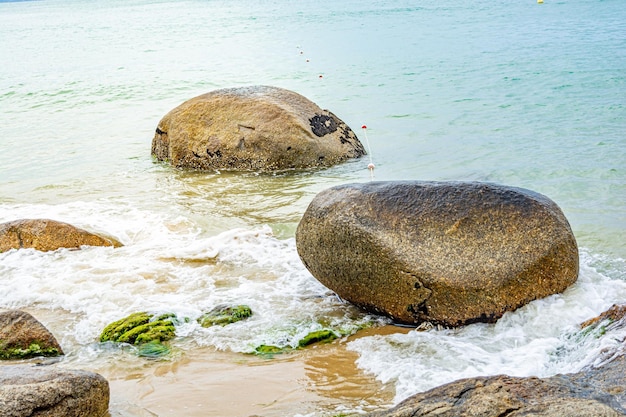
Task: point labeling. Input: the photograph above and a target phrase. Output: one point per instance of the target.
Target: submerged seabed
(516, 93)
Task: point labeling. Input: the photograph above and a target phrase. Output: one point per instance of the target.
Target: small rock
(23, 336)
(140, 328)
(224, 314)
(48, 235)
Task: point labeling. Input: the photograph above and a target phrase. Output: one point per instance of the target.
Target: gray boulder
(48, 235)
(448, 253)
(23, 336)
(595, 392)
(44, 391)
(253, 128)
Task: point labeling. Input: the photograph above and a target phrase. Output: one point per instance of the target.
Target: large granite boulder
(45, 391)
(48, 235)
(448, 253)
(23, 336)
(253, 128)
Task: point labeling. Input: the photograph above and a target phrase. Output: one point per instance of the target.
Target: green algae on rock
(22, 336)
(324, 335)
(269, 350)
(32, 350)
(140, 328)
(152, 349)
(224, 314)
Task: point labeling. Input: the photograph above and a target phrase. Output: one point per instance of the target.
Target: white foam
(540, 339)
(168, 266)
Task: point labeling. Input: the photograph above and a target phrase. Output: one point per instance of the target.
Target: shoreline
(321, 380)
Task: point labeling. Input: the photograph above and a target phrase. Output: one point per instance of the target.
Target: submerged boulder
(22, 336)
(253, 128)
(448, 253)
(45, 391)
(48, 235)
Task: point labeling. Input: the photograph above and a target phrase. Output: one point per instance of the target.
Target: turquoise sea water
(512, 92)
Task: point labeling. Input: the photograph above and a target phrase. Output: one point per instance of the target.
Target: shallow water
(516, 93)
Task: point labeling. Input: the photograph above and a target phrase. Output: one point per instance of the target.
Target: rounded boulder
(259, 128)
(48, 235)
(447, 253)
(46, 391)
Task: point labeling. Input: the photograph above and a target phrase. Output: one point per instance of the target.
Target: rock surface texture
(596, 392)
(47, 235)
(448, 253)
(253, 128)
(23, 336)
(43, 391)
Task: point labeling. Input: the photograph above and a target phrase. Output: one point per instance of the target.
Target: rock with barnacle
(260, 128)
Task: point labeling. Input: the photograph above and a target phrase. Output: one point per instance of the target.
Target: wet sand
(322, 380)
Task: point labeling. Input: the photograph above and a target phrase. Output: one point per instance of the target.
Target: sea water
(511, 92)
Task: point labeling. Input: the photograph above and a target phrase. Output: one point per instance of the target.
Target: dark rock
(48, 235)
(448, 253)
(44, 391)
(22, 336)
(253, 128)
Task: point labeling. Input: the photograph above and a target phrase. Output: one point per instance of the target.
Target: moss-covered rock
(140, 328)
(324, 335)
(224, 314)
(22, 336)
(30, 351)
(268, 350)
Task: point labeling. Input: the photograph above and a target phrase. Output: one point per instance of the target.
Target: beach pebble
(253, 128)
(447, 253)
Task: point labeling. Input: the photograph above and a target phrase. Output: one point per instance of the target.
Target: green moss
(269, 350)
(223, 315)
(152, 349)
(113, 331)
(597, 330)
(140, 328)
(317, 336)
(30, 351)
